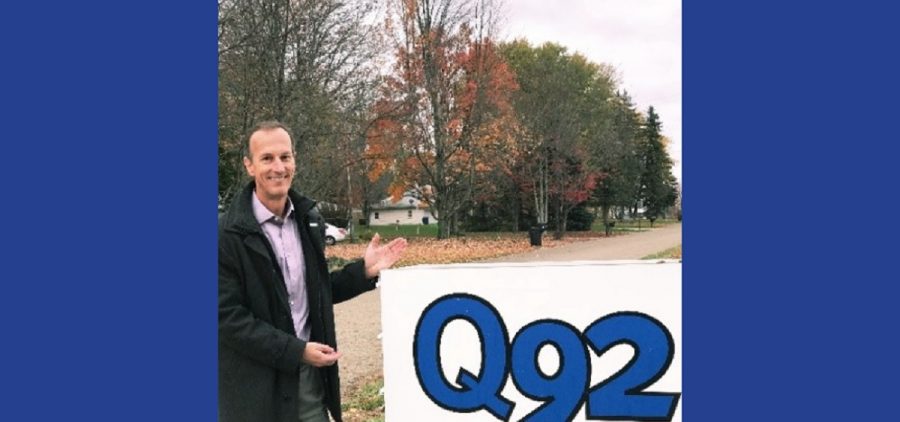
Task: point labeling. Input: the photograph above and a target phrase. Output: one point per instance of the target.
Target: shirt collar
(263, 214)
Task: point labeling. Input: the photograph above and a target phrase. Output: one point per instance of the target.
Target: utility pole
(350, 209)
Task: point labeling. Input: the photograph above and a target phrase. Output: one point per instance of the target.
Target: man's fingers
(397, 245)
(321, 347)
(326, 350)
(397, 242)
(329, 359)
(324, 355)
(378, 257)
(333, 357)
(318, 354)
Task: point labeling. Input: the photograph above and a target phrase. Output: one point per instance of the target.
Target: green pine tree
(658, 185)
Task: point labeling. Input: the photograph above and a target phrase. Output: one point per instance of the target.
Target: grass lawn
(392, 231)
(365, 233)
(365, 403)
(671, 253)
(631, 225)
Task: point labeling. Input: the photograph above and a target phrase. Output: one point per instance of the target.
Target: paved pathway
(632, 246)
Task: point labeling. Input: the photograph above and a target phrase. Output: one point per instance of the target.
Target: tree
(310, 64)
(496, 199)
(556, 103)
(616, 157)
(447, 86)
(658, 185)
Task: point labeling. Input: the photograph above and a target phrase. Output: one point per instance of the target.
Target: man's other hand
(319, 355)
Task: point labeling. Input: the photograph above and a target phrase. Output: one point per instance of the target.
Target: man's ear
(248, 167)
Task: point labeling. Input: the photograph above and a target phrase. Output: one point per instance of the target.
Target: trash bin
(534, 235)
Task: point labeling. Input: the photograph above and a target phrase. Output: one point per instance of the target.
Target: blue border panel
(108, 301)
(790, 211)
(109, 210)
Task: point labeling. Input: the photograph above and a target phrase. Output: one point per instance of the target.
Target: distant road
(631, 246)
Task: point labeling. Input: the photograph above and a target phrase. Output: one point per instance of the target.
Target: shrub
(579, 219)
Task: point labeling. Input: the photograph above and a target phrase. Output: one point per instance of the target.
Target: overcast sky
(640, 38)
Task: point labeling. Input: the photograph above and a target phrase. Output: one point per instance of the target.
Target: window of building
(409, 213)
(376, 215)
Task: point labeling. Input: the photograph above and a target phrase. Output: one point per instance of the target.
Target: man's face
(271, 163)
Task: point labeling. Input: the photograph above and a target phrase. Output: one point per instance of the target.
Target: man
(277, 350)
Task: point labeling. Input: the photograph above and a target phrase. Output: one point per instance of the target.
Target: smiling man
(277, 349)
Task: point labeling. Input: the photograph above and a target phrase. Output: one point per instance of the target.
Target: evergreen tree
(658, 185)
(617, 157)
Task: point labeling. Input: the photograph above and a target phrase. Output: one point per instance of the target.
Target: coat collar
(240, 217)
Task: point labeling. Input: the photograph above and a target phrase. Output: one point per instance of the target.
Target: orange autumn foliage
(458, 250)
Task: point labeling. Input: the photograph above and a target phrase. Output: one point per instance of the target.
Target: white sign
(554, 341)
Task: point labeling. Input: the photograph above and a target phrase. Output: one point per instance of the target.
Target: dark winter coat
(259, 353)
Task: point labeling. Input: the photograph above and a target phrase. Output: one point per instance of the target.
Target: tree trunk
(560, 220)
(604, 209)
(515, 213)
(451, 225)
(366, 212)
(443, 224)
(541, 198)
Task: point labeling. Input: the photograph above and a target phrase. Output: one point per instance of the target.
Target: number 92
(619, 397)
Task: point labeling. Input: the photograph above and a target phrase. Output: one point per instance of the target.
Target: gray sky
(640, 38)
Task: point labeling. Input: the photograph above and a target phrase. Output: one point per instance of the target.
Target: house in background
(407, 210)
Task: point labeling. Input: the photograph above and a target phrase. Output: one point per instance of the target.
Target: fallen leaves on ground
(470, 248)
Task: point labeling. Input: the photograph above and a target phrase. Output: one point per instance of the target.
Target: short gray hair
(266, 125)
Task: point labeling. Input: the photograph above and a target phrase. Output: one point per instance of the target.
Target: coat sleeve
(241, 330)
(350, 282)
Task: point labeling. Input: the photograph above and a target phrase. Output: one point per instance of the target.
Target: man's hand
(379, 257)
(319, 355)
